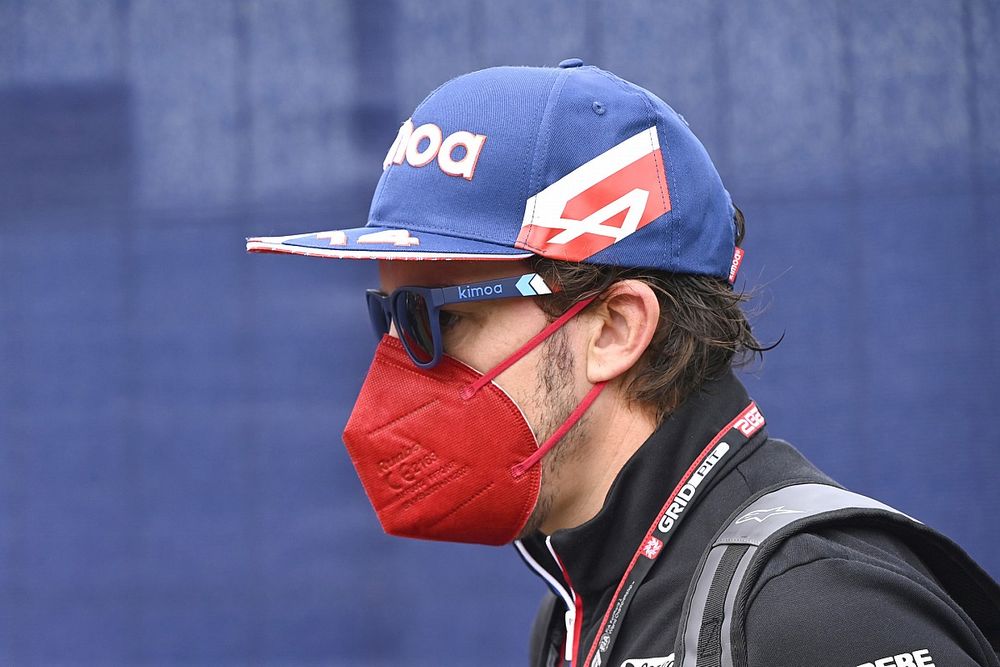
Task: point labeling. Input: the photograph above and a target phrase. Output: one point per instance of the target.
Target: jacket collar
(596, 554)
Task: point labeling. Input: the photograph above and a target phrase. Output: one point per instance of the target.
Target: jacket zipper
(570, 627)
(574, 605)
(574, 608)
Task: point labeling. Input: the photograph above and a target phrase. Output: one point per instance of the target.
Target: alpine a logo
(599, 203)
(687, 491)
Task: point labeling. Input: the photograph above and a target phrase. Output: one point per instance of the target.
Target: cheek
(488, 346)
(488, 338)
(545, 384)
(520, 382)
(541, 392)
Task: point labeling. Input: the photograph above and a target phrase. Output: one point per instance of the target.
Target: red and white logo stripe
(750, 421)
(734, 268)
(599, 203)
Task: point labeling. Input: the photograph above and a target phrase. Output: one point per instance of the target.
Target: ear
(623, 324)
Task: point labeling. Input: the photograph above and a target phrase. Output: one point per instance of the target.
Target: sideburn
(555, 396)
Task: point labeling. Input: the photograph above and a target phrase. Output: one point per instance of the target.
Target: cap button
(571, 62)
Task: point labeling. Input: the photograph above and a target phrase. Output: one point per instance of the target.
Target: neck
(614, 432)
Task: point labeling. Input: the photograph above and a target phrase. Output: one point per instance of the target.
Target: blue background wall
(172, 484)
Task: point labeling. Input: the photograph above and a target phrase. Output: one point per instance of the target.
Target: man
(563, 381)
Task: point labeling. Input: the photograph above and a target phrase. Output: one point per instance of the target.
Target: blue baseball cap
(569, 162)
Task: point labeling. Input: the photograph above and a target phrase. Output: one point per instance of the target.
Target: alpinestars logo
(760, 516)
(599, 203)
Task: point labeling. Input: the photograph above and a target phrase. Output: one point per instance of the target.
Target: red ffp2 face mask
(445, 453)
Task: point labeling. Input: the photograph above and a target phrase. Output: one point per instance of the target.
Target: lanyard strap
(734, 435)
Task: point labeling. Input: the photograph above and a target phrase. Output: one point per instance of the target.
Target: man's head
(601, 344)
(566, 180)
(655, 337)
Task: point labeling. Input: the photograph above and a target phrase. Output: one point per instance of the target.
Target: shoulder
(845, 594)
(776, 461)
(853, 597)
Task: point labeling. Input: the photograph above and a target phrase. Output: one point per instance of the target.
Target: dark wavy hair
(702, 332)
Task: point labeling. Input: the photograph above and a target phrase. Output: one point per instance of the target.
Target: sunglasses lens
(415, 327)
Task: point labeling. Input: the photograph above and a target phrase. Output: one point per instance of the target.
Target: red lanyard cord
(732, 436)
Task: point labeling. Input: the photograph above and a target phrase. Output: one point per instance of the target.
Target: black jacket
(840, 597)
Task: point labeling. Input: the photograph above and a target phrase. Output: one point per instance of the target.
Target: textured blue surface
(173, 489)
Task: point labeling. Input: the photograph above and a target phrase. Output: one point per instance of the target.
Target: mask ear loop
(470, 390)
(525, 465)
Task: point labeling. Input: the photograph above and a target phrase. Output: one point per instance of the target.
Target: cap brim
(383, 243)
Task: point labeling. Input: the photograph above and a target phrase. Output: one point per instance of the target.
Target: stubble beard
(555, 401)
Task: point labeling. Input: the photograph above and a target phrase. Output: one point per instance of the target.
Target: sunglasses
(417, 314)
